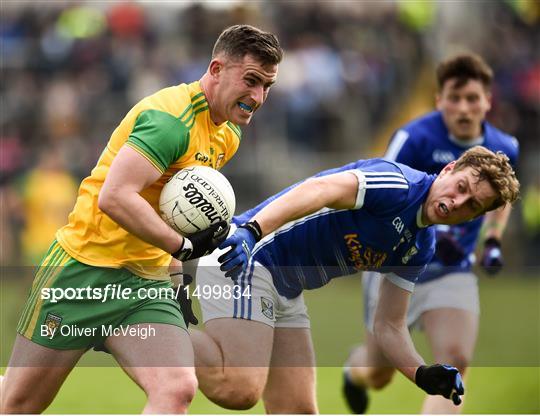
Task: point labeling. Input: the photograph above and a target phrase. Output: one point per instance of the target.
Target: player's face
(457, 197)
(464, 108)
(242, 88)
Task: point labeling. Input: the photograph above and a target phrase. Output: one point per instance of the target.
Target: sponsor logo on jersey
(363, 258)
(52, 322)
(267, 307)
(443, 156)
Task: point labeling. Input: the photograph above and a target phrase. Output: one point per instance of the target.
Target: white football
(196, 197)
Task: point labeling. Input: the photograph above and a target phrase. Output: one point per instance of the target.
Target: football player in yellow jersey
(92, 288)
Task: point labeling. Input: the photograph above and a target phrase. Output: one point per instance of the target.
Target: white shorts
(254, 296)
(455, 290)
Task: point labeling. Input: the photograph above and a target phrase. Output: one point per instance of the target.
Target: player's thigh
(451, 333)
(291, 381)
(246, 347)
(35, 374)
(161, 357)
(449, 308)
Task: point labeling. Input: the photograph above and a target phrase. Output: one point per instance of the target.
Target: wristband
(186, 245)
(492, 241)
(254, 228)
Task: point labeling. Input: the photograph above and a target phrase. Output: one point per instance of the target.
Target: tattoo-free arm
(337, 191)
(391, 332)
(120, 199)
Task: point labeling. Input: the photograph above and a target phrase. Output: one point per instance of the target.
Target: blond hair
(494, 168)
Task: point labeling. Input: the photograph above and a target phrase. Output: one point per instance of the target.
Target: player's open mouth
(443, 209)
(245, 108)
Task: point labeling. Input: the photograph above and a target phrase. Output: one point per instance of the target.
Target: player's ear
(449, 167)
(438, 99)
(215, 67)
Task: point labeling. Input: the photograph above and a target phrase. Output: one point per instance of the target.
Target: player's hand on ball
(492, 259)
(202, 242)
(235, 261)
(441, 380)
(447, 248)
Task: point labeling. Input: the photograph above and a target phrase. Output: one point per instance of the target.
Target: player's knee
(176, 390)
(456, 356)
(12, 402)
(379, 377)
(237, 391)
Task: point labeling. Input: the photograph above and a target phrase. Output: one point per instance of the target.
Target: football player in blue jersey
(368, 215)
(445, 301)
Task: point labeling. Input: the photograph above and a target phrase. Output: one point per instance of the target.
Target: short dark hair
(463, 68)
(240, 40)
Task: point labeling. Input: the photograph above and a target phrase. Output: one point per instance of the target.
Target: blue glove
(492, 260)
(447, 249)
(234, 262)
(440, 379)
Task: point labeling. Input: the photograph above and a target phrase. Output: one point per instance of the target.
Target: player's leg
(34, 375)
(452, 336)
(161, 364)
(232, 358)
(367, 366)
(42, 357)
(291, 382)
(232, 354)
(450, 322)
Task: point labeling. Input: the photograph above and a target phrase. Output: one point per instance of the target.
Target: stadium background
(352, 73)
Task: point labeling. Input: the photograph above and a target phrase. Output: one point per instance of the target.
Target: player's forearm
(137, 216)
(305, 199)
(495, 222)
(397, 345)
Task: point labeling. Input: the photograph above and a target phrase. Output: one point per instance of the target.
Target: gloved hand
(183, 299)
(235, 261)
(440, 379)
(492, 259)
(447, 248)
(202, 242)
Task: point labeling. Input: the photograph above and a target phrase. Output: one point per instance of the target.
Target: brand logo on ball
(197, 199)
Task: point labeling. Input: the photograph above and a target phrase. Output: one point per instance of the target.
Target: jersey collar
(419, 222)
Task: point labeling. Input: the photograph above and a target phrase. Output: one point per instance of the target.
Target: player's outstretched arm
(494, 225)
(336, 191)
(129, 174)
(392, 335)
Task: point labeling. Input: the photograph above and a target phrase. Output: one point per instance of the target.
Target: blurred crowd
(71, 72)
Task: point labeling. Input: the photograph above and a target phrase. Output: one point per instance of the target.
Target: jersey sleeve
(159, 137)
(381, 192)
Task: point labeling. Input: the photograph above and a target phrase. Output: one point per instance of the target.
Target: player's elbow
(108, 201)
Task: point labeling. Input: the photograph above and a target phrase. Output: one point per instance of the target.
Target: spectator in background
(48, 193)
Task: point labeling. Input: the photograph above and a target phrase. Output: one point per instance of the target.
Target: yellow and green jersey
(172, 129)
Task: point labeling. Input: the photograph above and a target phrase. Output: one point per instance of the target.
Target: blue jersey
(382, 232)
(425, 144)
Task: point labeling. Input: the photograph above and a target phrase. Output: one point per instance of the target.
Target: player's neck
(207, 89)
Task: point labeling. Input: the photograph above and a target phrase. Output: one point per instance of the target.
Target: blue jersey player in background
(445, 301)
(368, 215)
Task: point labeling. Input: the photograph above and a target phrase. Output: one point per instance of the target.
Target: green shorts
(76, 306)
